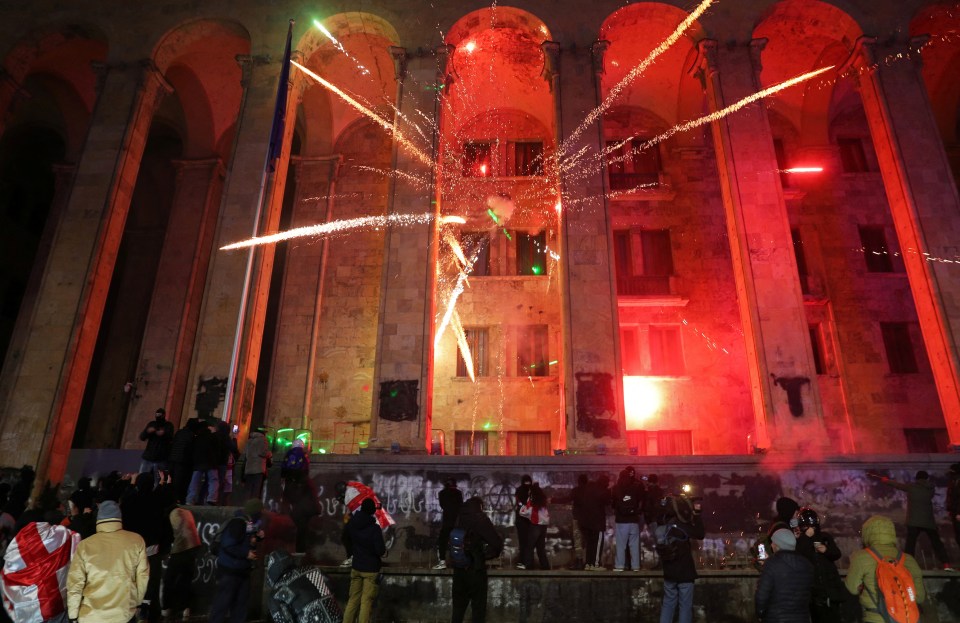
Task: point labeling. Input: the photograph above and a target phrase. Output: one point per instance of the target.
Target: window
(852, 156)
(647, 272)
(471, 442)
(816, 343)
(531, 253)
(801, 260)
(477, 341)
(531, 443)
(532, 350)
(666, 354)
(661, 442)
(630, 351)
(528, 158)
(926, 440)
(477, 159)
(873, 241)
(899, 347)
(781, 155)
(476, 246)
(630, 167)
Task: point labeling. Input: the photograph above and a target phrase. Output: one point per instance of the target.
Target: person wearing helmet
(829, 594)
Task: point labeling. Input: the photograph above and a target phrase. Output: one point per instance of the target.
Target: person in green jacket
(878, 533)
(920, 518)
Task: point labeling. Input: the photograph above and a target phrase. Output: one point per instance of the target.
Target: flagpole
(269, 172)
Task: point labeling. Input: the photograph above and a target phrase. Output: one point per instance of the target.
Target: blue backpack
(458, 549)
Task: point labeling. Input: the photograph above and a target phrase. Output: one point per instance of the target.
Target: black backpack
(459, 548)
(670, 539)
(215, 543)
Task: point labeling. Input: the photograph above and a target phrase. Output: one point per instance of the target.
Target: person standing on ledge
(920, 518)
(159, 437)
(364, 542)
(451, 499)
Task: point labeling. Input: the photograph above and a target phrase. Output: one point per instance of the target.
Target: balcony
(643, 285)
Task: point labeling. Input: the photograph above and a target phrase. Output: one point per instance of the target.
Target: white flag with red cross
(356, 493)
(34, 576)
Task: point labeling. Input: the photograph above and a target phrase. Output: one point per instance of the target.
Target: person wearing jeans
(680, 523)
(627, 507)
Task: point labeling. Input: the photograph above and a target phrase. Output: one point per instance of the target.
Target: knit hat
(109, 510)
(253, 507)
(784, 539)
(786, 508)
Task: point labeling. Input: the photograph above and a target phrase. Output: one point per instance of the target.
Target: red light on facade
(802, 170)
(642, 400)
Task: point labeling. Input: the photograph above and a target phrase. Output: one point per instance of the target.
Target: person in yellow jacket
(109, 572)
(878, 533)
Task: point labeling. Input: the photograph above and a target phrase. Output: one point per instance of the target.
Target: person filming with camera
(679, 521)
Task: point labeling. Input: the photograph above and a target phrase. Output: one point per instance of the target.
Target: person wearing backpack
(236, 555)
(627, 506)
(880, 541)
(786, 582)
(482, 542)
(681, 522)
(451, 499)
(829, 594)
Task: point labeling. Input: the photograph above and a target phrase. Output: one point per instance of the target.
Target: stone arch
(198, 59)
(941, 63)
(803, 35)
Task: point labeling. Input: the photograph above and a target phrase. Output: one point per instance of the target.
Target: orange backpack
(896, 596)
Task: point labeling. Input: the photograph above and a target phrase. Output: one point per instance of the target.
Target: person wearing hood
(159, 436)
(787, 509)
(483, 543)
(364, 542)
(256, 454)
(181, 458)
(628, 497)
(786, 583)
(682, 522)
(920, 517)
(235, 562)
(108, 574)
(595, 521)
(878, 534)
(451, 499)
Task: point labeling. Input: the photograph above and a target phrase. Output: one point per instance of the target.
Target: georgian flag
(354, 496)
(34, 576)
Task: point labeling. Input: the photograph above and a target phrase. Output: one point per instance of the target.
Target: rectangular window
(531, 443)
(477, 159)
(471, 443)
(873, 241)
(899, 347)
(630, 351)
(528, 158)
(532, 350)
(801, 258)
(629, 166)
(476, 247)
(651, 274)
(816, 343)
(531, 253)
(666, 353)
(477, 341)
(674, 442)
(852, 156)
(926, 440)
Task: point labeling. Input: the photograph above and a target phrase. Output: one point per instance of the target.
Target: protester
(522, 523)
(920, 517)
(296, 464)
(181, 458)
(451, 499)
(627, 508)
(159, 436)
(178, 577)
(597, 499)
(109, 573)
(206, 458)
(470, 583)
(680, 522)
(828, 594)
(352, 494)
(953, 500)
(143, 514)
(535, 511)
(257, 455)
(83, 521)
(652, 495)
(879, 540)
(365, 546)
(577, 499)
(786, 582)
(786, 509)
(227, 456)
(20, 492)
(34, 573)
(235, 559)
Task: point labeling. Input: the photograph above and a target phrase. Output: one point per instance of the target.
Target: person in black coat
(681, 521)
(159, 435)
(181, 458)
(483, 544)
(363, 539)
(206, 457)
(829, 593)
(786, 583)
(451, 499)
(594, 520)
(522, 523)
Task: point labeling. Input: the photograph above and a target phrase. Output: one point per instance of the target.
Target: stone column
(779, 356)
(923, 202)
(231, 272)
(592, 381)
(404, 360)
(168, 338)
(39, 408)
(298, 317)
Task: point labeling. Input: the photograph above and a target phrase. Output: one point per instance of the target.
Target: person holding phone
(829, 594)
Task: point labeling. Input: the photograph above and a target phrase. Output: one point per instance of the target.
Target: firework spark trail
(634, 73)
(413, 179)
(363, 70)
(451, 305)
(340, 227)
(458, 331)
(709, 118)
(457, 250)
(385, 124)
